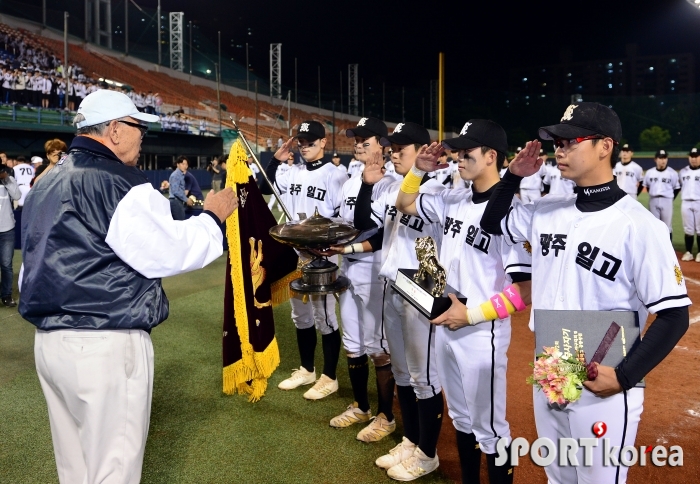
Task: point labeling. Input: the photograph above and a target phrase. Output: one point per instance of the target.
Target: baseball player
(355, 168)
(282, 168)
(317, 187)
(628, 173)
(663, 187)
(24, 173)
(690, 203)
(360, 309)
(410, 335)
(336, 161)
(444, 175)
(471, 343)
(531, 187)
(503, 170)
(598, 250)
(553, 181)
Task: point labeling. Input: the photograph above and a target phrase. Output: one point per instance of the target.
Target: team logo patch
(398, 128)
(304, 128)
(527, 247)
(362, 121)
(678, 273)
(243, 197)
(62, 159)
(569, 113)
(464, 129)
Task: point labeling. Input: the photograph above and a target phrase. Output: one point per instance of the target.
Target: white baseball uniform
(355, 168)
(342, 168)
(617, 258)
(24, 173)
(317, 187)
(690, 199)
(281, 169)
(360, 308)
(390, 170)
(628, 175)
(444, 175)
(472, 360)
(410, 335)
(531, 186)
(558, 185)
(660, 185)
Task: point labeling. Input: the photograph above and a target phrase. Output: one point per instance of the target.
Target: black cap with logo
(368, 127)
(543, 152)
(693, 153)
(626, 147)
(335, 155)
(311, 131)
(479, 132)
(661, 154)
(407, 134)
(585, 119)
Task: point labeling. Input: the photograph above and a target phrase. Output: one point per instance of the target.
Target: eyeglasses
(138, 126)
(563, 142)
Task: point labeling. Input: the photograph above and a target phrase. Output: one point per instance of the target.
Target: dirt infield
(671, 407)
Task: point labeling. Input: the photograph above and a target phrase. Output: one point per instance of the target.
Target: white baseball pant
(393, 316)
(690, 213)
(472, 363)
(98, 387)
(319, 311)
(621, 413)
(361, 312)
(662, 208)
(529, 196)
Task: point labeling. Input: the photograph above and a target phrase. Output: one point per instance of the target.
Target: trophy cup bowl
(319, 276)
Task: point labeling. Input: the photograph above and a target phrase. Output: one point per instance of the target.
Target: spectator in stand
(202, 127)
(8, 190)
(178, 198)
(215, 170)
(54, 148)
(269, 144)
(280, 142)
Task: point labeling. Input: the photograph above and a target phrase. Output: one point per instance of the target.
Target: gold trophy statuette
(429, 265)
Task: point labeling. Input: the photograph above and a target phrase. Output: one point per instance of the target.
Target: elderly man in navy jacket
(97, 231)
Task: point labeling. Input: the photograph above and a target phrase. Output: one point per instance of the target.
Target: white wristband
(417, 172)
(475, 315)
(353, 248)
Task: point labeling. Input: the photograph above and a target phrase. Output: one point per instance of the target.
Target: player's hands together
(282, 153)
(605, 384)
(527, 162)
(455, 317)
(331, 251)
(221, 204)
(373, 169)
(427, 159)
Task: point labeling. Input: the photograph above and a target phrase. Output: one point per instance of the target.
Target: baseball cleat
(414, 467)
(688, 256)
(324, 386)
(351, 415)
(379, 428)
(396, 455)
(299, 377)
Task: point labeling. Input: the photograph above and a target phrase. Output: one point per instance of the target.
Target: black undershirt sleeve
(271, 169)
(662, 336)
(676, 192)
(363, 208)
(499, 203)
(546, 188)
(376, 240)
(520, 276)
(640, 188)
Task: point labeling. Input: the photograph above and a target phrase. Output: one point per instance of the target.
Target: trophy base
(429, 306)
(298, 286)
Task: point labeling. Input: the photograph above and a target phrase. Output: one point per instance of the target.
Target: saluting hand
(527, 162)
(455, 317)
(427, 159)
(373, 169)
(282, 154)
(222, 204)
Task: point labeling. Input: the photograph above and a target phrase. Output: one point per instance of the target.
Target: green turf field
(197, 434)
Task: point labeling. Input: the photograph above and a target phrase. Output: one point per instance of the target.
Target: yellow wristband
(411, 183)
(489, 312)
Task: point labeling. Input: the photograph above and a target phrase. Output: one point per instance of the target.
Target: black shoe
(9, 302)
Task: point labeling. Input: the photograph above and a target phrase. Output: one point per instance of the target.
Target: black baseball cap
(335, 155)
(693, 153)
(661, 154)
(368, 127)
(585, 119)
(542, 152)
(407, 134)
(479, 132)
(626, 147)
(311, 131)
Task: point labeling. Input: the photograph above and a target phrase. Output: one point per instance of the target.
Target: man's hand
(189, 202)
(527, 162)
(222, 204)
(331, 251)
(605, 384)
(427, 159)
(373, 169)
(282, 153)
(455, 317)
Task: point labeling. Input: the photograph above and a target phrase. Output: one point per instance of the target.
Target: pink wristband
(500, 306)
(514, 297)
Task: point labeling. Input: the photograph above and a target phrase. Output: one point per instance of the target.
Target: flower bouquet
(561, 379)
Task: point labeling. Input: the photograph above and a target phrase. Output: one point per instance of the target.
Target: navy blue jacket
(72, 278)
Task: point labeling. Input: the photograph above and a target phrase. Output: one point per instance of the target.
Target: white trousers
(98, 387)
(621, 413)
(472, 363)
(690, 213)
(319, 311)
(662, 208)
